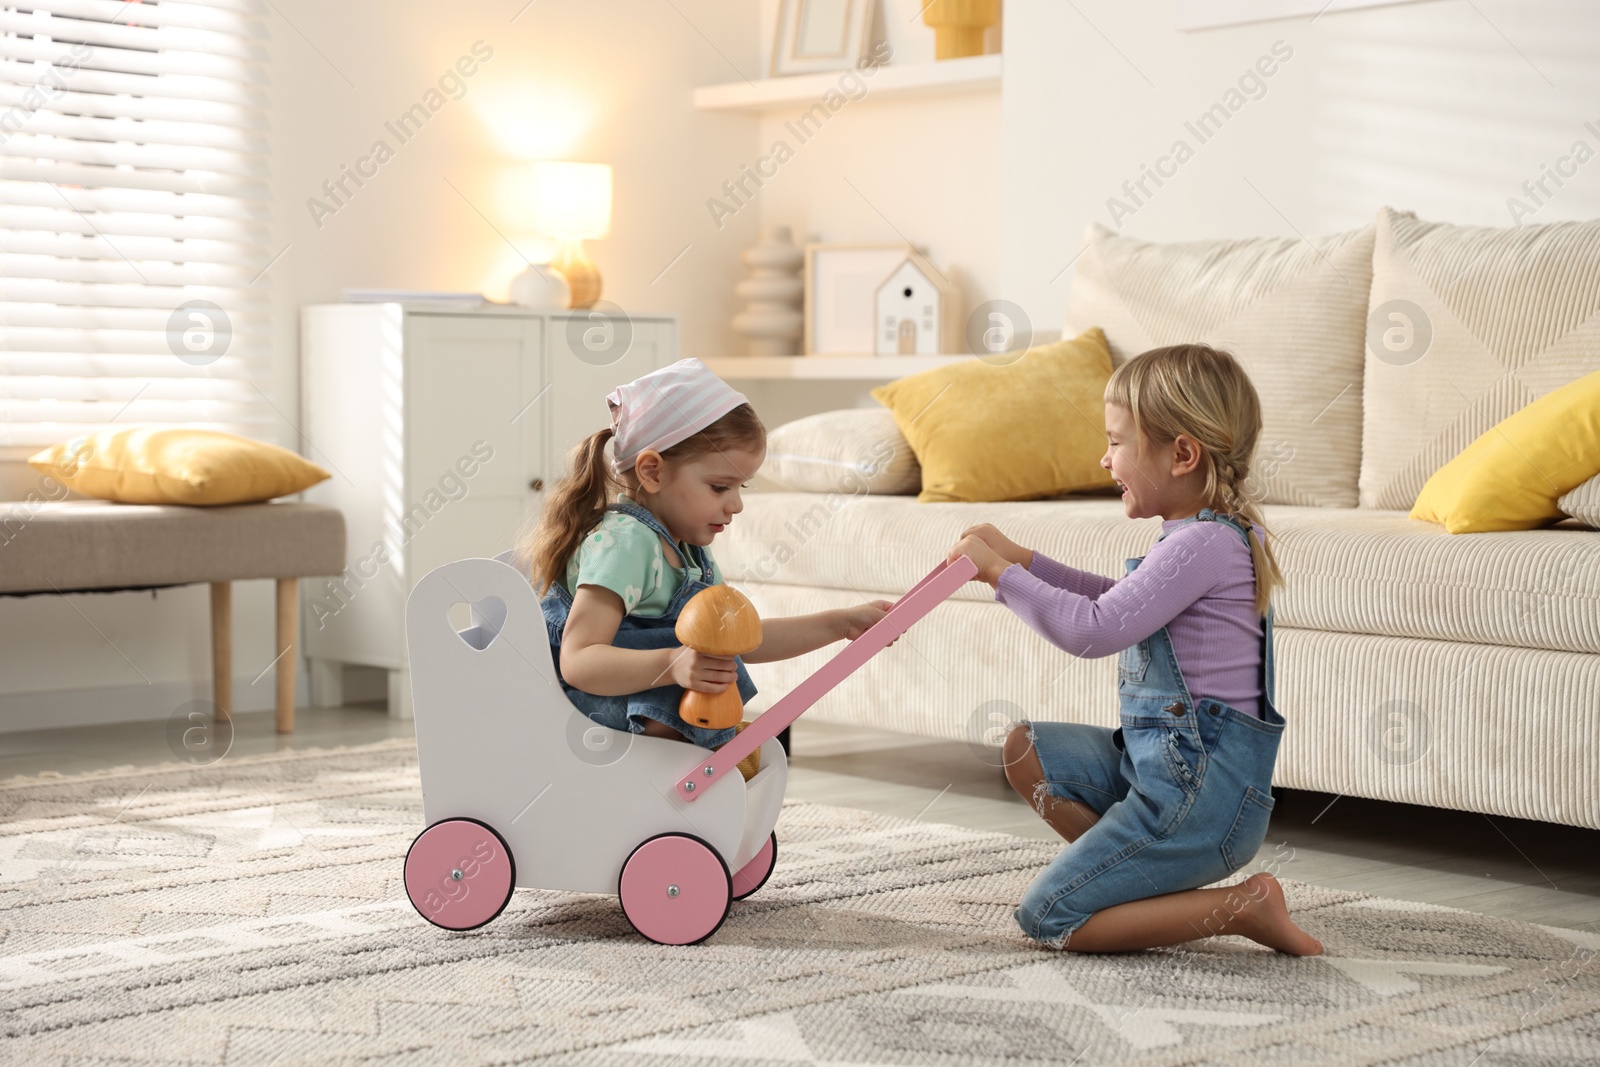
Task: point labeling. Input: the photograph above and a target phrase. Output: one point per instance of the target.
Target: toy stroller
(520, 788)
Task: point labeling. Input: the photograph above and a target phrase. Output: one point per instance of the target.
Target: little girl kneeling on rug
(1180, 794)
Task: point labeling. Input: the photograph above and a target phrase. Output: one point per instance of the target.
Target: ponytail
(572, 509)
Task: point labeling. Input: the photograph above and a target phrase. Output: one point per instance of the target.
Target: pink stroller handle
(922, 598)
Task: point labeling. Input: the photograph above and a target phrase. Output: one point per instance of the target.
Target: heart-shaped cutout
(486, 618)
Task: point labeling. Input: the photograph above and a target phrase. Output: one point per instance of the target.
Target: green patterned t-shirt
(624, 555)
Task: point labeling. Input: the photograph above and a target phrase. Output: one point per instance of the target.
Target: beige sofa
(1459, 671)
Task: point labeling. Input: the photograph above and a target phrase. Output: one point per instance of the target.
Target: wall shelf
(826, 368)
(969, 74)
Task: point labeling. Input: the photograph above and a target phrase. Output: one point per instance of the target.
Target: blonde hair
(1201, 391)
(579, 499)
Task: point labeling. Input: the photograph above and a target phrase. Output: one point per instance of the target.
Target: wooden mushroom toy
(718, 621)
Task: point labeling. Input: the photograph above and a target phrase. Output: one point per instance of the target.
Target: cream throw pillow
(855, 450)
(1506, 314)
(1583, 503)
(156, 464)
(1291, 311)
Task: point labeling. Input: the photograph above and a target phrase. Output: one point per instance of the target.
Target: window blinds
(133, 218)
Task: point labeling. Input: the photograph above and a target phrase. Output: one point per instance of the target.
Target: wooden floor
(1537, 872)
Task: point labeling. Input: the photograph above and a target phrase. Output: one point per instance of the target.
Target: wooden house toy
(917, 311)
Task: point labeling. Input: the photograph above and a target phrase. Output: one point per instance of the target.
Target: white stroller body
(521, 789)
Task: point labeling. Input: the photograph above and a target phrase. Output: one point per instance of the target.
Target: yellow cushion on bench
(163, 464)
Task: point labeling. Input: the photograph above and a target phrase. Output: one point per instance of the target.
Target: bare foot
(1266, 921)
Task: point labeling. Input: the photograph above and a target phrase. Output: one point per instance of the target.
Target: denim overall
(1183, 787)
(644, 631)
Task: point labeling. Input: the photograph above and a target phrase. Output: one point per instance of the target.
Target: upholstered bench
(78, 546)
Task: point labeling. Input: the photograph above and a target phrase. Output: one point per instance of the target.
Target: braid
(1231, 497)
(1233, 487)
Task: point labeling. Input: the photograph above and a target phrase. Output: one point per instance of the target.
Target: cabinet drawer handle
(537, 483)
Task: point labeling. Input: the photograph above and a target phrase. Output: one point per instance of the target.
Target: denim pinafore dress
(1183, 786)
(646, 632)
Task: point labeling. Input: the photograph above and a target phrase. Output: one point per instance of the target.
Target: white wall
(1441, 107)
(606, 80)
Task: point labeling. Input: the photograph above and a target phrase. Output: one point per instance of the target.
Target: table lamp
(572, 201)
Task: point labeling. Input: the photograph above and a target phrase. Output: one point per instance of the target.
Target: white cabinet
(441, 430)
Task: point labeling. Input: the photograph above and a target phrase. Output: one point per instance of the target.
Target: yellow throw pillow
(1511, 477)
(155, 464)
(1014, 426)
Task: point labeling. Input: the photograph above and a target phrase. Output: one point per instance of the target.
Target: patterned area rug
(251, 912)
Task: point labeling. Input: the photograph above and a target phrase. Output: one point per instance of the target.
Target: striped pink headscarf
(664, 407)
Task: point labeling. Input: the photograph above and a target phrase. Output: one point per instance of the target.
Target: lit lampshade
(571, 202)
(571, 199)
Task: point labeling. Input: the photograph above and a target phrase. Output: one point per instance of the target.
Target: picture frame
(821, 35)
(841, 281)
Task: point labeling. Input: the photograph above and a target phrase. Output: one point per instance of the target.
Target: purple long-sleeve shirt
(1198, 582)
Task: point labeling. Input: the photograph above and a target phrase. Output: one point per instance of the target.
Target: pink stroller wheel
(459, 874)
(675, 889)
(754, 875)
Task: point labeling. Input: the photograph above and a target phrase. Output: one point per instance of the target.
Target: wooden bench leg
(222, 649)
(288, 616)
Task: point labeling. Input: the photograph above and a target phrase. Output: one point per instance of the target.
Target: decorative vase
(540, 287)
(579, 271)
(959, 25)
(771, 323)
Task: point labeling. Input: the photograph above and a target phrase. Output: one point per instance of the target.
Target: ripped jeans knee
(1041, 793)
(1018, 747)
